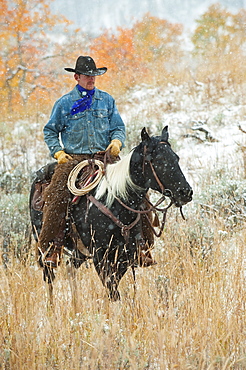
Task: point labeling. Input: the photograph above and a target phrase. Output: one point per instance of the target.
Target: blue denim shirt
(85, 132)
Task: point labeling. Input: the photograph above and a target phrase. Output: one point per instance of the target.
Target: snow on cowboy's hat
(87, 66)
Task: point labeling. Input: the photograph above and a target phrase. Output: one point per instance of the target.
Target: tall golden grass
(188, 312)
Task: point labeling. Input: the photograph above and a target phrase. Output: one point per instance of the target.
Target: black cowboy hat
(87, 66)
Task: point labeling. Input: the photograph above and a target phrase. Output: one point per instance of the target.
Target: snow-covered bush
(14, 224)
(225, 200)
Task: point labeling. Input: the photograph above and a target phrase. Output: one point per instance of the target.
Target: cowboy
(83, 123)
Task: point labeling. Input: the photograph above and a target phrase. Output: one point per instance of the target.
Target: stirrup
(52, 256)
(52, 261)
(146, 260)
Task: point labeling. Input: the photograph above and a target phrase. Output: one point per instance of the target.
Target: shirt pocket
(100, 118)
(76, 123)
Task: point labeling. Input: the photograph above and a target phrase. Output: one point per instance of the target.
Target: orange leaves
(24, 70)
(114, 49)
(156, 40)
(32, 62)
(131, 55)
(32, 59)
(219, 31)
(117, 53)
(219, 41)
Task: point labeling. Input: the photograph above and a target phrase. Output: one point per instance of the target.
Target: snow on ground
(189, 114)
(204, 133)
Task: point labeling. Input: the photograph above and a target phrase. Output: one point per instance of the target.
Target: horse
(108, 219)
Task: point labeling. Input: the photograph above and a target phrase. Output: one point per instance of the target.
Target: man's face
(87, 82)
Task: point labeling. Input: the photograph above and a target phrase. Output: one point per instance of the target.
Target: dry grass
(188, 312)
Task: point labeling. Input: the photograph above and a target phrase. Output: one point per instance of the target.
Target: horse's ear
(164, 134)
(144, 134)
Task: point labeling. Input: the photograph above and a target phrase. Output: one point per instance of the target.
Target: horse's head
(160, 168)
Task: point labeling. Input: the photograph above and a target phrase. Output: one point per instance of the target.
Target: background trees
(36, 46)
(219, 45)
(28, 54)
(146, 53)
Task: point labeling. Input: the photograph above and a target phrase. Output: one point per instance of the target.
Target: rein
(125, 229)
(152, 208)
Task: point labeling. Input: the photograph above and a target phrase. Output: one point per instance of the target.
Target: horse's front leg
(107, 275)
(112, 288)
(49, 277)
(71, 273)
(111, 265)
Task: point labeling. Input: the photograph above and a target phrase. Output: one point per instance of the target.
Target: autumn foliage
(27, 56)
(34, 53)
(145, 53)
(219, 44)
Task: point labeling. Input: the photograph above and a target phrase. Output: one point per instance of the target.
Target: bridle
(125, 229)
(145, 161)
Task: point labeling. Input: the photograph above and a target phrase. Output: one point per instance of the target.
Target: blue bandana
(83, 103)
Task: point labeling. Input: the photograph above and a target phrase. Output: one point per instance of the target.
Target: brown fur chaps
(56, 198)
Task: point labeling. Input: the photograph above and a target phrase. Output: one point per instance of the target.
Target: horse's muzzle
(183, 196)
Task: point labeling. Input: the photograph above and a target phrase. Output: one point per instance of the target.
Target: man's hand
(62, 157)
(114, 147)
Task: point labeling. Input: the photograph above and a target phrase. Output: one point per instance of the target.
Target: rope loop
(88, 185)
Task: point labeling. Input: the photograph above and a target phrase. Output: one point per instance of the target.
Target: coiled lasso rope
(89, 185)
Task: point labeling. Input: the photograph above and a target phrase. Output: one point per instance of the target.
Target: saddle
(42, 180)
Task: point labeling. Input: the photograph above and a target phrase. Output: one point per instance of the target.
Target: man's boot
(145, 258)
(52, 257)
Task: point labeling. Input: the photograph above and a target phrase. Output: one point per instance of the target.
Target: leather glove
(62, 157)
(114, 147)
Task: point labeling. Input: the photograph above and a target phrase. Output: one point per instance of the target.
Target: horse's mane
(116, 182)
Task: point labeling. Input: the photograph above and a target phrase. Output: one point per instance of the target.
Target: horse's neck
(135, 197)
(136, 171)
(117, 183)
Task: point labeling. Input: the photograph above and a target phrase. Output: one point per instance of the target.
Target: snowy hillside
(205, 134)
